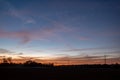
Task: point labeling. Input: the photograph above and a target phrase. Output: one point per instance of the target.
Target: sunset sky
(60, 28)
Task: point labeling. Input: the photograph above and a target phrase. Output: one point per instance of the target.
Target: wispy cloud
(30, 21)
(85, 59)
(29, 57)
(53, 30)
(77, 58)
(104, 33)
(24, 35)
(11, 10)
(28, 35)
(8, 52)
(87, 49)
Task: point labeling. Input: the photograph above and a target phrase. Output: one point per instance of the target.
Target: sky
(60, 28)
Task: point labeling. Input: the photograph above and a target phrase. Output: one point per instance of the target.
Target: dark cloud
(20, 53)
(3, 51)
(28, 57)
(9, 52)
(84, 58)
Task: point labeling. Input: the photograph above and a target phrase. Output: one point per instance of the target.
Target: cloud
(53, 30)
(4, 51)
(30, 21)
(65, 60)
(25, 39)
(20, 53)
(89, 49)
(37, 34)
(78, 59)
(27, 35)
(24, 35)
(28, 57)
(11, 10)
(105, 32)
(9, 52)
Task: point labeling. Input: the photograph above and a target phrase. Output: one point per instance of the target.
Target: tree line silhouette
(7, 62)
(62, 72)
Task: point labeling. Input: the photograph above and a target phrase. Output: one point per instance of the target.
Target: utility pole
(105, 59)
(68, 61)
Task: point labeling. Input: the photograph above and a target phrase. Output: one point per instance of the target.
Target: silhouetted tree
(5, 60)
(9, 59)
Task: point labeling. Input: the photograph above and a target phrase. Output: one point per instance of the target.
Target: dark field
(61, 73)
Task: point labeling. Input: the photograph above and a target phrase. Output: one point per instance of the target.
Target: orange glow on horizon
(67, 62)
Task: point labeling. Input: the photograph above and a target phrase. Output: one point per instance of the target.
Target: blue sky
(53, 27)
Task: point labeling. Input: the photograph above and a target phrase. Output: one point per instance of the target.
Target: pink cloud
(24, 35)
(28, 35)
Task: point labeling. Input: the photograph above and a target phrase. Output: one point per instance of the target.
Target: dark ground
(60, 73)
